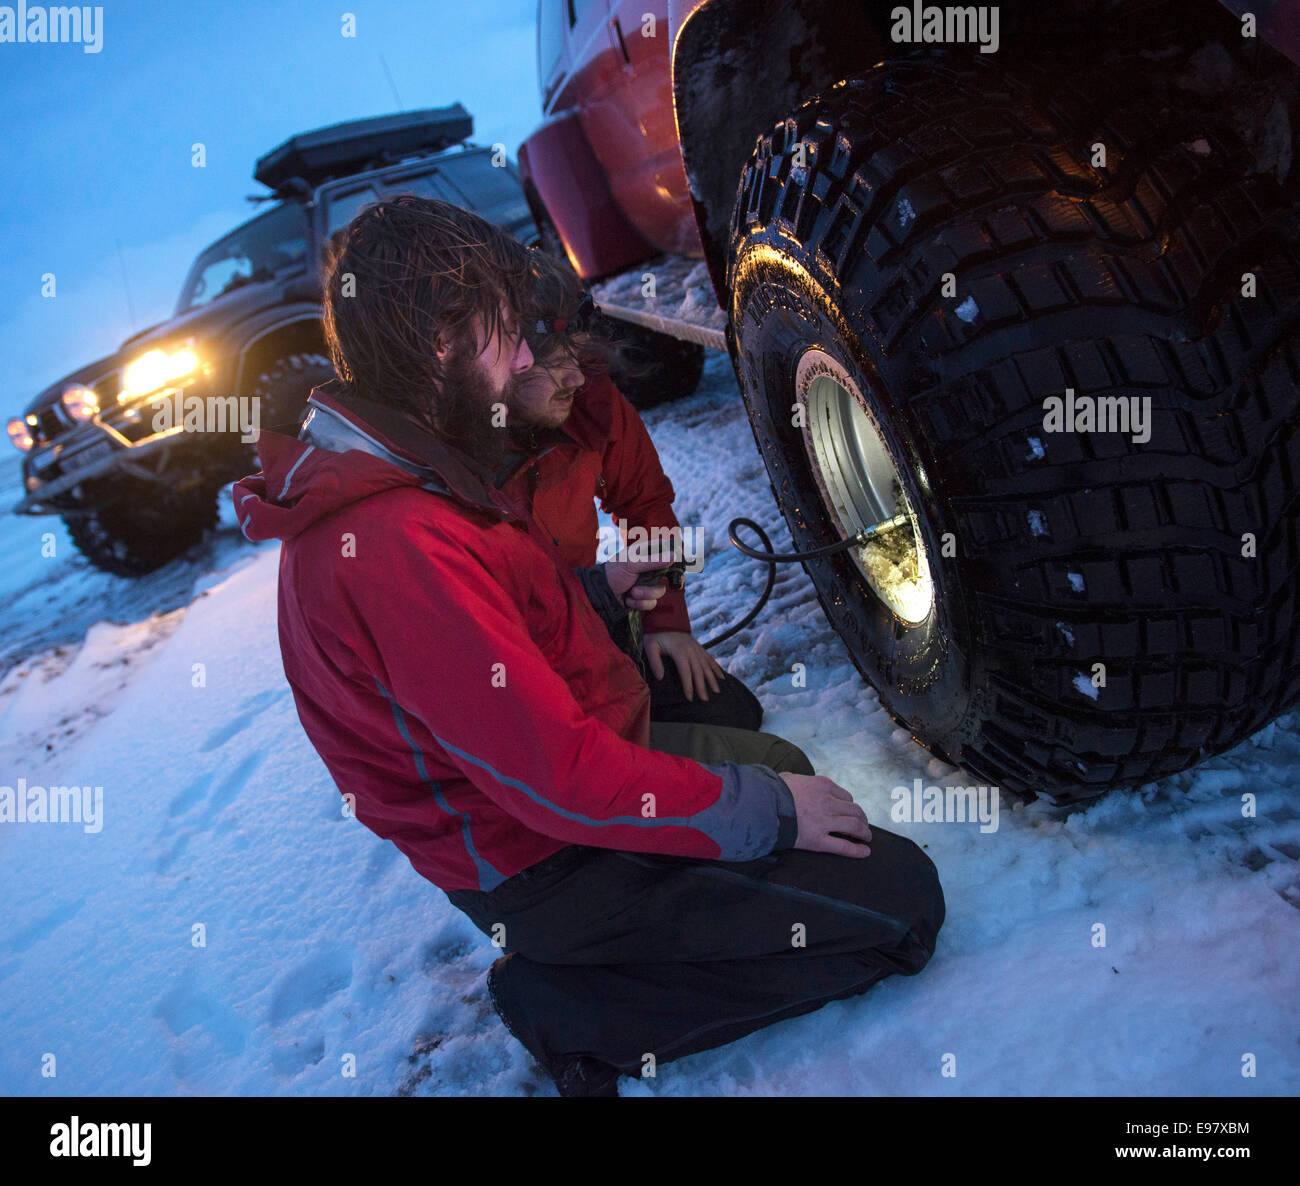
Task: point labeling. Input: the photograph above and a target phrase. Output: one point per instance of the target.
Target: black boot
(575, 1075)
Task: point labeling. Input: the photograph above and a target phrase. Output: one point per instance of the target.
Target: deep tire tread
(1119, 279)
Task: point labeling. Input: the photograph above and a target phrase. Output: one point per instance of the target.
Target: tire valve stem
(869, 533)
(772, 558)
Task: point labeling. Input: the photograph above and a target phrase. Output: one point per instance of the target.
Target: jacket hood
(349, 449)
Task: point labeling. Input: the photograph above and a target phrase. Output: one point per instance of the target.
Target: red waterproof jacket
(602, 450)
(455, 678)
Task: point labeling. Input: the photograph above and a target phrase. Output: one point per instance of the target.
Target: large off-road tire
(649, 368)
(652, 368)
(140, 526)
(1057, 559)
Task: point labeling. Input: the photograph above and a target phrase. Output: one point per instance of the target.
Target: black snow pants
(618, 955)
(732, 705)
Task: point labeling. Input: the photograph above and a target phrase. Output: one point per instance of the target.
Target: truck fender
(301, 321)
(562, 175)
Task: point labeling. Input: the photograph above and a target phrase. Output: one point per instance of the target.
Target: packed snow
(227, 929)
(671, 286)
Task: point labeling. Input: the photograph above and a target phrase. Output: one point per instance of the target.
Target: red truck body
(605, 168)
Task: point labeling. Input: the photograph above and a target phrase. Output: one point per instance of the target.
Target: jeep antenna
(126, 285)
(401, 106)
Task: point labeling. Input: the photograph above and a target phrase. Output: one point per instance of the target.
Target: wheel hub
(861, 487)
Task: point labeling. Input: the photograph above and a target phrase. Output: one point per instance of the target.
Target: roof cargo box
(347, 148)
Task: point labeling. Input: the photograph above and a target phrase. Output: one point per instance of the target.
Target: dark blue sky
(95, 148)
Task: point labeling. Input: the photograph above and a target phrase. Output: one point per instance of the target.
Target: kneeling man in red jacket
(574, 439)
(460, 683)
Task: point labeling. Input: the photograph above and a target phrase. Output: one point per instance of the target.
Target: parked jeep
(131, 450)
(1012, 294)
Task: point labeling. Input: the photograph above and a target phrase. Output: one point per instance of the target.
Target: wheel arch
(564, 181)
(729, 87)
(300, 333)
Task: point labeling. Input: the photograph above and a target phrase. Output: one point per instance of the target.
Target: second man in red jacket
(574, 440)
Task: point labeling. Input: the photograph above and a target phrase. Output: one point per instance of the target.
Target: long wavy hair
(405, 272)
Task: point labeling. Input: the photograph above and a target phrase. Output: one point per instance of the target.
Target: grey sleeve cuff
(788, 830)
(603, 599)
(753, 816)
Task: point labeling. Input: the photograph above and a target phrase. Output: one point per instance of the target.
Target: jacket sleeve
(637, 489)
(607, 604)
(454, 657)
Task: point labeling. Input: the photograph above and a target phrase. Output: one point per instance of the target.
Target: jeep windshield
(269, 246)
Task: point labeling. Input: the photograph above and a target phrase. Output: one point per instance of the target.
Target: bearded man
(460, 683)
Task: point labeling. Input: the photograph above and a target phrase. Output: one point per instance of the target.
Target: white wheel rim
(862, 488)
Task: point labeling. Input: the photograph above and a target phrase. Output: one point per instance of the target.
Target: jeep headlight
(80, 403)
(20, 434)
(156, 369)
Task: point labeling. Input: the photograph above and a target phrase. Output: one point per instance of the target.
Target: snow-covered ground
(681, 289)
(228, 930)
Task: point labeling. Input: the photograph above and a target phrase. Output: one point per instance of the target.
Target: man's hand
(698, 669)
(622, 577)
(827, 814)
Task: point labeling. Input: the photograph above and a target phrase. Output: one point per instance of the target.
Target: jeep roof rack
(348, 147)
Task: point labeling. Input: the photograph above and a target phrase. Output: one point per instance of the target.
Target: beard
(549, 413)
(467, 409)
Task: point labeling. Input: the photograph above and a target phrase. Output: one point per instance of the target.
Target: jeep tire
(652, 368)
(283, 388)
(139, 526)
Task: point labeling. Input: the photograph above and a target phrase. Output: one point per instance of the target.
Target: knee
(932, 909)
(736, 706)
(746, 704)
(786, 758)
(918, 878)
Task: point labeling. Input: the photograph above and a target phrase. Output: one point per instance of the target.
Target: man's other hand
(699, 671)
